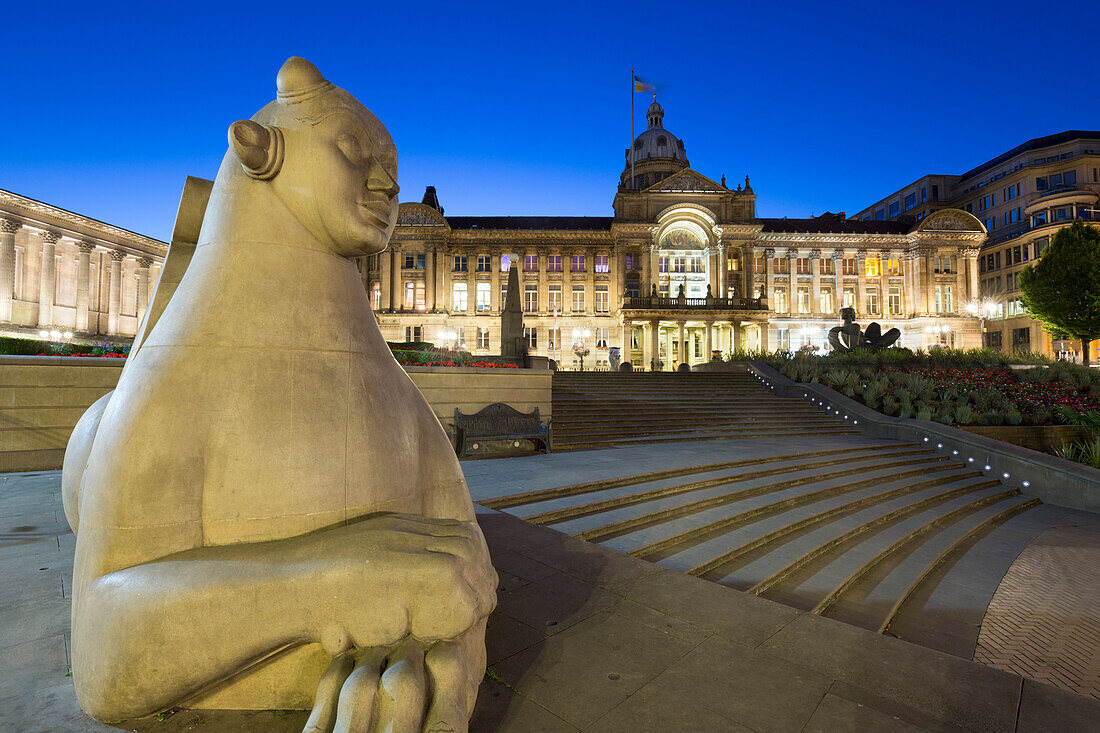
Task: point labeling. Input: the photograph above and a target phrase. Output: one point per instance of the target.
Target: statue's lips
(379, 212)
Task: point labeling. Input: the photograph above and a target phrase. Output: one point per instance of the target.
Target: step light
(1026, 484)
(1005, 475)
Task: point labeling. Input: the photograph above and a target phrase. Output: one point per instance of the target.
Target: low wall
(1035, 437)
(1055, 481)
(43, 397)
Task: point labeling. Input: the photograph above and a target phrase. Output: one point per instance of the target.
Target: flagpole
(631, 146)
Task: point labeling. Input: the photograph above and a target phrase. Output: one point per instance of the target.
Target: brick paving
(1044, 620)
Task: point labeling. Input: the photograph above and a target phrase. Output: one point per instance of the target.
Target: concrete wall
(42, 397)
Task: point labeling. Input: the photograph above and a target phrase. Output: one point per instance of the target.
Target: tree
(1062, 289)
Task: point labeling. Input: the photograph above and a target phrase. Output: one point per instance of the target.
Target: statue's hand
(396, 576)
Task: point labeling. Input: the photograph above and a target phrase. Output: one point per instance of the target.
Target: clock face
(681, 239)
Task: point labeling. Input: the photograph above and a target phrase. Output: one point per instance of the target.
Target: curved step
(619, 442)
(587, 487)
(992, 521)
(890, 517)
(809, 471)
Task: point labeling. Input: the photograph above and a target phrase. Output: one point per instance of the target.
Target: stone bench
(499, 421)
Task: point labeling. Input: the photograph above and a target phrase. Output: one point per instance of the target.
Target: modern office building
(682, 268)
(1022, 197)
(61, 271)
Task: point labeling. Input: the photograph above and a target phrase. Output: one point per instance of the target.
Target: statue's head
(847, 314)
(326, 157)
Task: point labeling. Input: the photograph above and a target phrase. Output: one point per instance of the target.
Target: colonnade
(725, 336)
(45, 288)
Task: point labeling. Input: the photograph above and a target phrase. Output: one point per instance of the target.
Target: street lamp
(982, 308)
(449, 337)
(939, 332)
(580, 335)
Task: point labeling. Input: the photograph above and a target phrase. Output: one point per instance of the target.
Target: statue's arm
(147, 637)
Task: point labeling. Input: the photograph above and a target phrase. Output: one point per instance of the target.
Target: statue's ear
(259, 148)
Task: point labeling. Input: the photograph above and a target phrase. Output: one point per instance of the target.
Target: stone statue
(268, 513)
(848, 337)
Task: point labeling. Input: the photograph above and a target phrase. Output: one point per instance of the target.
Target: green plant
(1067, 451)
(963, 415)
(1013, 416)
(924, 413)
(1089, 453)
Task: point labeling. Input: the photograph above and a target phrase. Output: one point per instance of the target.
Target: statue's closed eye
(351, 148)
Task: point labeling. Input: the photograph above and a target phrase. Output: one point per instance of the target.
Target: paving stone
(555, 603)
(504, 636)
(731, 613)
(839, 714)
(33, 620)
(751, 687)
(32, 664)
(944, 687)
(657, 708)
(1048, 708)
(499, 708)
(585, 671)
(661, 621)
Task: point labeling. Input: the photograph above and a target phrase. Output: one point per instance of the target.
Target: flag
(641, 85)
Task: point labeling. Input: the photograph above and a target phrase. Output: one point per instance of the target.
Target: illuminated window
(826, 300)
(733, 264)
(554, 303)
(602, 263)
(531, 263)
(458, 298)
(948, 301)
(803, 300)
(553, 339)
(601, 299)
(482, 338)
(505, 263)
(871, 267)
(601, 338)
(893, 268)
(577, 263)
(553, 263)
(781, 300)
(939, 299)
(376, 296)
(484, 297)
(848, 298)
(578, 299)
(872, 302)
(895, 301)
(420, 301)
(530, 298)
(410, 295)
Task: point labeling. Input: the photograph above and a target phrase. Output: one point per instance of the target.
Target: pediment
(686, 181)
(419, 215)
(951, 220)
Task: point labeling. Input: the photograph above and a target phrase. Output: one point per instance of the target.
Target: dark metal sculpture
(849, 337)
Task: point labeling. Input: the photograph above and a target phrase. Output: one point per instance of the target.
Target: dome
(655, 141)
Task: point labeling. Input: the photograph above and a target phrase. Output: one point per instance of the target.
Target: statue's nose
(380, 180)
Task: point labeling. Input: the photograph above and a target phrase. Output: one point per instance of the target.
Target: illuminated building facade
(682, 269)
(1022, 197)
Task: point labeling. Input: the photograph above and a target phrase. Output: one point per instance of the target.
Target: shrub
(963, 415)
(924, 413)
(1013, 416)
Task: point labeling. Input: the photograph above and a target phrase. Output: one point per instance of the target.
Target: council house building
(682, 269)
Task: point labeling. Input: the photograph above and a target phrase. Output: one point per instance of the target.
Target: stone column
(654, 341)
(861, 281)
(735, 335)
(815, 271)
(654, 270)
(397, 296)
(590, 281)
(429, 278)
(764, 337)
(385, 268)
(543, 284)
(625, 350)
(930, 280)
(83, 285)
(643, 256)
(495, 306)
(567, 281)
(8, 228)
(971, 254)
(114, 293)
(723, 272)
(680, 351)
(962, 277)
(769, 277)
(712, 267)
(443, 266)
(613, 287)
(47, 279)
(143, 287)
(707, 344)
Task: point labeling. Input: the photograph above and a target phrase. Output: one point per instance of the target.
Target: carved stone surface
(264, 527)
(849, 337)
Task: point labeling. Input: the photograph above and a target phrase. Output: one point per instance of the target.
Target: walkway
(1044, 620)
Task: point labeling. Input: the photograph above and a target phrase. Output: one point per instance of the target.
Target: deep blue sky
(524, 108)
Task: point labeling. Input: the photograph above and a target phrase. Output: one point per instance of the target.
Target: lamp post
(982, 308)
(580, 336)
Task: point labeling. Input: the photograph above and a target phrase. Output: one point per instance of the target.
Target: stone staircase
(852, 533)
(607, 409)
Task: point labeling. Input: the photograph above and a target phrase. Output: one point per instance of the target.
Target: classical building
(683, 268)
(61, 271)
(1022, 197)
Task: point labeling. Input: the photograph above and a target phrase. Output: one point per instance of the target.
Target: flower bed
(960, 393)
(424, 354)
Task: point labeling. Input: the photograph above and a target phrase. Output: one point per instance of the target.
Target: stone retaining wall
(1055, 481)
(43, 397)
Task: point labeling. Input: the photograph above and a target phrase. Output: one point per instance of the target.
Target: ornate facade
(682, 269)
(61, 271)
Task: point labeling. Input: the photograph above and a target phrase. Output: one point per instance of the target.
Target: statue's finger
(323, 715)
(401, 692)
(357, 700)
(454, 671)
